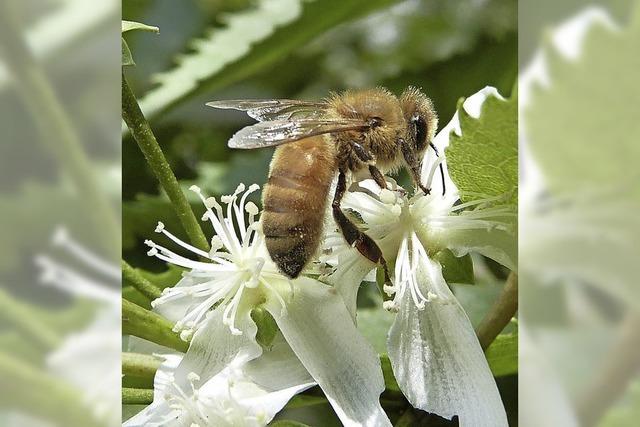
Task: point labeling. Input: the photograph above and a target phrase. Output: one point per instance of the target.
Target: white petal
(320, 331)
(157, 412)
(498, 244)
(154, 415)
(278, 368)
(437, 360)
(214, 346)
(351, 270)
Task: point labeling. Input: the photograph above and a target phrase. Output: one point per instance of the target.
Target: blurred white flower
(214, 300)
(89, 359)
(434, 352)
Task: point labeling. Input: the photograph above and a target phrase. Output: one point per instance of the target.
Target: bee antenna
(444, 188)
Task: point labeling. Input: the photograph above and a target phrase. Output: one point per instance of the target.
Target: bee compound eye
(375, 122)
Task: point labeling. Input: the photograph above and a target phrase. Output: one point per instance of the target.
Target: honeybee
(370, 131)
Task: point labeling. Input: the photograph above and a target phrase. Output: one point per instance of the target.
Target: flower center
(413, 268)
(239, 273)
(216, 406)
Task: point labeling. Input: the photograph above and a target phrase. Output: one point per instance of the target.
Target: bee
(356, 132)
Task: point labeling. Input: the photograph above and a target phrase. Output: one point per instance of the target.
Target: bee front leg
(378, 177)
(356, 238)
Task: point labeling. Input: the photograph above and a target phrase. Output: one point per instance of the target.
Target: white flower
(231, 398)
(433, 349)
(214, 300)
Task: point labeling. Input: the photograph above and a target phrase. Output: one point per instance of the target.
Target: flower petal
(157, 413)
(437, 360)
(321, 332)
(496, 243)
(213, 346)
(351, 269)
(278, 368)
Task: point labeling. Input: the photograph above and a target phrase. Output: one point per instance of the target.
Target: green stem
(30, 390)
(22, 317)
(143, 285)
(136, 396)
(140, 365)
(146, 324)
(500, 313)
(57, 130)
(142, 133)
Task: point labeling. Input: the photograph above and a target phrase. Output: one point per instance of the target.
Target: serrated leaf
(583, 129)
(132, 25)
(502, 355)
(252, 40)
(484, 160)
(456, 269)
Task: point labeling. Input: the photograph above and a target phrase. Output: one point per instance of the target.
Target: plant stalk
(138, 281)
(20, 315)
(57, 130)
(500, 313)
(140, 365)
(142, 133)
(136, 396)
(146, 324)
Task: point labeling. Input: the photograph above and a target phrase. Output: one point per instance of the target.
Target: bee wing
(276, 132)
(273, 109)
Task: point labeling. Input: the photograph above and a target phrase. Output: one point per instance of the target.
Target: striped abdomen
(295, 201)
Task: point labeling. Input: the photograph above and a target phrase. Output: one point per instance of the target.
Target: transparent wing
(273, 109)
(276, 132)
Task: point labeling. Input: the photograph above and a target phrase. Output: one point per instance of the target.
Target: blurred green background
(451, 49)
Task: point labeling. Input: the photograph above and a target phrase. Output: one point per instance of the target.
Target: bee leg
(362, 153)
(356, 238)
(378, 177)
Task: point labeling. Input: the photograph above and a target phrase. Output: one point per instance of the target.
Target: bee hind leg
(356, 238)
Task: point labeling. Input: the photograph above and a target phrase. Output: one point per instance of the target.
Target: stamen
(160, 229)
(62, 239)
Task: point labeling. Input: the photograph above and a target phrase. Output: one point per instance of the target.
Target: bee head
(378, 107)
(422, 123)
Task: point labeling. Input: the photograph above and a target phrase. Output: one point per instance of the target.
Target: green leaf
(165, 279)
(132, 25)
(456, 269)
(267, 326)
(303, 401)
(389, 380)
(127, 58)
(502, 355)
(583, 129)
(484, 160)
(251, 41)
